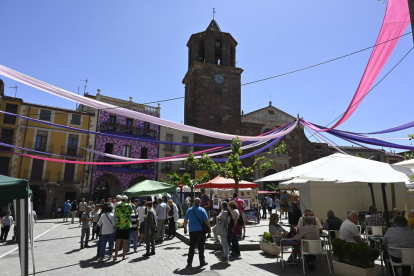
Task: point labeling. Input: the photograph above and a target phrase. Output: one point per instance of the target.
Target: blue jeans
(225, 246)
(86, 232)
(235, 245)
(295, 246)
(110, 239)
(134, 237)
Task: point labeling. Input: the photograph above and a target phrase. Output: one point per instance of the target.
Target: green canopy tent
(150, 187)
(18, 191)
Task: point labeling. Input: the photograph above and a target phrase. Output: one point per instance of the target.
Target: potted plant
(353, 259)
(268, 245)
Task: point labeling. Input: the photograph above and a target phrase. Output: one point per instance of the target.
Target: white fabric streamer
(17, 76)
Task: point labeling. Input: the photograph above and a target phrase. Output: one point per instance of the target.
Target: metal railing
(71, 151)
(37, 175)
(41, 147)
(175, 167)
(169, 147)
(129, 130)
(69, 177)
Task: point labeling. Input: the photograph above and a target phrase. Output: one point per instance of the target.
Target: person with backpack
(223, 224)
(205, 203)
(238, 222)
(107, 227)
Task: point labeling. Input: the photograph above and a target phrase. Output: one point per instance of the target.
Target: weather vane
(214, 11)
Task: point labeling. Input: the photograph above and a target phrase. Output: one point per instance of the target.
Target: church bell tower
(212, 82)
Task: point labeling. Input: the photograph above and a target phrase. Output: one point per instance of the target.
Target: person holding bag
(199, 225)
(223, 222)
(107, 227)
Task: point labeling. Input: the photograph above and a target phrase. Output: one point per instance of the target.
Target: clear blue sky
(138, 48)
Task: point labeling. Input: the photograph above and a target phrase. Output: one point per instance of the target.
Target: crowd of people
(121, 224)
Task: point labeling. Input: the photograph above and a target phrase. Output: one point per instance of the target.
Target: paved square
(57, 252)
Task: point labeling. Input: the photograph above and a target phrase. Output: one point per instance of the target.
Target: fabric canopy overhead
(13, 188)
(344, 168)
(406, 163)
(225, 183)
(149, 187)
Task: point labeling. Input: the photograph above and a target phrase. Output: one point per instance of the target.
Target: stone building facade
(111, 180)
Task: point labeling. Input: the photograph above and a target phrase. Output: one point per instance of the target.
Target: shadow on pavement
(139, 259)
(220, 266)
(56, 239)
(73, 251)
(38, 272)
(189, 271)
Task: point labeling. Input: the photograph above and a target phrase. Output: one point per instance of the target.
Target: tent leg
(372, 193)
(384, 199)
(22, 214)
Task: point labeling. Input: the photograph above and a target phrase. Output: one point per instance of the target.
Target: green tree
(233, 168)
(185, 179)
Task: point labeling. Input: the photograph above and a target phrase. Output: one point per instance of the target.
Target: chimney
(1, 88)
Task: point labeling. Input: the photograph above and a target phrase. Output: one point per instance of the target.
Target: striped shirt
(134, 220)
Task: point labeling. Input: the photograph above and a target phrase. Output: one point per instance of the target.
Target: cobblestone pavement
(57, 252)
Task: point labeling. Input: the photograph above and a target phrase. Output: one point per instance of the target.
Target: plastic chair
(283, 247)
(407, 258)
(314, 248)
(375, 231)
(336, 233)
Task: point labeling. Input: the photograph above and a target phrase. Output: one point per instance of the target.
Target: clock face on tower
(218, 78)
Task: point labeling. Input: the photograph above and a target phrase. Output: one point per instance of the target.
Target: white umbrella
(344, 168)
(339, 168)
(406, 163)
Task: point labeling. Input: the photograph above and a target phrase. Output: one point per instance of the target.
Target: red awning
(226, 183)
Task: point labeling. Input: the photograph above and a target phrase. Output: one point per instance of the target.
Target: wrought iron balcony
(41, 147)
(185, 149)
(167, 167)
(169, 147)
(37, 175)
(69, 178)
(71, 151)
(128, 130)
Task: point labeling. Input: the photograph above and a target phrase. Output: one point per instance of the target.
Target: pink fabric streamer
(396, 19)
(20, 77)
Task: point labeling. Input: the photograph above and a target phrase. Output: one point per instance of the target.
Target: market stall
(221, 188)
(149, 188)
(17, 191)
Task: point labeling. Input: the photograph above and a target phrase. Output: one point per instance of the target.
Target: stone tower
(212, 82)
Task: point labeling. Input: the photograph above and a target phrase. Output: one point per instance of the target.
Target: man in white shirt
(162, 210)
(350, 232)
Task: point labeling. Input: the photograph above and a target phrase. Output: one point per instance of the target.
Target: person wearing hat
(123, 224)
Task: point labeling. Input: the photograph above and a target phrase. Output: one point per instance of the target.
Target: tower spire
(214, 11)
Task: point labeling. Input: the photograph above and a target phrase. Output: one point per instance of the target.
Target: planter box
(269, 248)
(342, 269)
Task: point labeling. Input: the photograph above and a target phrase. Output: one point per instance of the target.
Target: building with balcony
(48, 180)
(110, 180)
(167, 150)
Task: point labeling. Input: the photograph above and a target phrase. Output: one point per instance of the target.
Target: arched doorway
(39, 200)
(66, 192)
(106, 186)
(137, 180)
